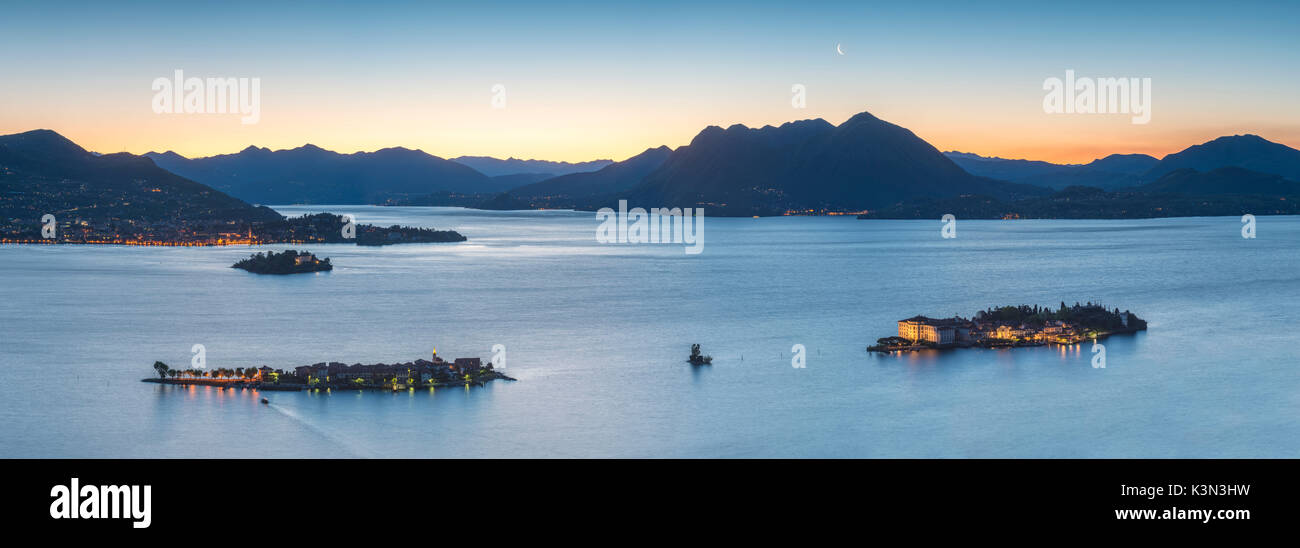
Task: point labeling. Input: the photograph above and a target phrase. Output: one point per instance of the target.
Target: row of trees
(165, 371)
(1086, 315)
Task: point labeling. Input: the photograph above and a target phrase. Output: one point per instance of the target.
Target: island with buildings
(287, 262)
(421, 373)
(1011, 326)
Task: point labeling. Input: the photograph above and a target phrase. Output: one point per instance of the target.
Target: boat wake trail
(343, 444)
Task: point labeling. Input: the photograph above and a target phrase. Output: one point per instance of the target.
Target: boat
(699, 359)
(266, 401)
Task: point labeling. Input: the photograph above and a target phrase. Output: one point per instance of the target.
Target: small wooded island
(287, 262)
(1012, 326)
(435, 373)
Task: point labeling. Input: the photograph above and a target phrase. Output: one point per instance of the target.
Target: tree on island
(161, 368)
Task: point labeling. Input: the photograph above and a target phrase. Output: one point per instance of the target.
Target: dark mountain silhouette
(1112, 172)
(516, 180)
(43, 172)
(1224, 180)
(310, 174)
(611, 179)
(493, 167)
(1092, 203)
(809, 165)
(1251, 152)
(1003, 168)
(1227, 176)
(1128, 164)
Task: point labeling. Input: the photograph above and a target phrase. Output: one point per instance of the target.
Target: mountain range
(868, 164)
(575, 189)
(807, 166)
(494, 167)
(1119, 171)
(43, 172)
(1112, 172)
(310, 174)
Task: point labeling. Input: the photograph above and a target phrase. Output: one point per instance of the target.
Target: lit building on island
(1008, 326)
(938, 331)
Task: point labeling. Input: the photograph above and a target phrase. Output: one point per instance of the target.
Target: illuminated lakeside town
(318, 228)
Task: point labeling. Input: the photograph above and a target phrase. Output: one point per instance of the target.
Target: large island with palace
(1011, 326)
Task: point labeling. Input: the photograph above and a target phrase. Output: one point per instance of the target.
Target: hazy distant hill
(310, 174)
(1224, 180)
(1092, 203)
(1250, 152)
(494, 167)
(1227, 176)
(1182, 193)
(809, 165)
(1112, 172)
(613, 178)
(516, 180)
(43, 172)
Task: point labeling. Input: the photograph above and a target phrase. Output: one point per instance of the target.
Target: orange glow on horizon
(579, 134)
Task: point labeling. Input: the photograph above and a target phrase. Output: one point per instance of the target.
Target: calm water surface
(597, 336)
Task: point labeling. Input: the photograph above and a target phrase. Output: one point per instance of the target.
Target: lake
(597, 336)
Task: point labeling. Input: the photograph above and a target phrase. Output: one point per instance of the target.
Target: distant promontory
(55, 192)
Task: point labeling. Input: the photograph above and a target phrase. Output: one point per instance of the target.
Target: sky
(589, 80)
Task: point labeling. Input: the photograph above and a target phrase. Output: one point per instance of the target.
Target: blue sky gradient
(607, 80)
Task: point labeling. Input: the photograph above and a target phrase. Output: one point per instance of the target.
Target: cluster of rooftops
(960, 330)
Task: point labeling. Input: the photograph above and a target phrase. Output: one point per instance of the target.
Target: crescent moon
(839, 50)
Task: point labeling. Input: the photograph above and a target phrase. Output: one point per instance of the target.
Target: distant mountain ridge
(1117, 171)
(494, 167)
(310, 174)
(611, 179)
(1112, 172)
(1250, 152)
